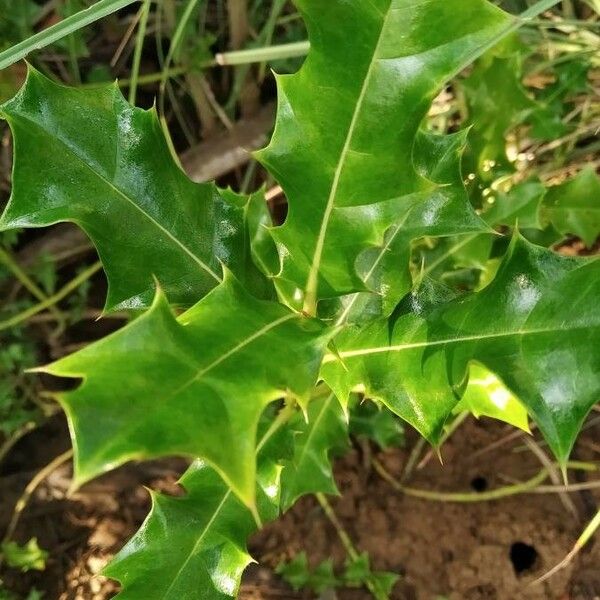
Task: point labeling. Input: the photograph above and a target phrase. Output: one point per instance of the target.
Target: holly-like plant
(278, 326)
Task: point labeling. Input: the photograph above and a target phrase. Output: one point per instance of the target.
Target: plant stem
(352, 552)
(554, 475)
(537, 9)
(31, 286)
(67, 26)
(255, 55)
(466, 497)
(31, 487)
(583, 539)
(237, 11)
(174, 46)
(137, 54)
(72, 46)
(413, 458)
(574, 22)
(52, 300)
(15, 437)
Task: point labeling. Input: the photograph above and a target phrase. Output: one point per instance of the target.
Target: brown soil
(441, 550)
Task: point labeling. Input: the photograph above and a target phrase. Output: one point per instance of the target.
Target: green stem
(15, 437)
(175, 41)
(352, 552)
(466, 497)
(30, 285)
(583, 539)
(574, 22)
(257, 55)
(52, 300)
(31, 487)
(67, 26)
(537, 9)
(559, 60)
(72, 46)
(137, 54)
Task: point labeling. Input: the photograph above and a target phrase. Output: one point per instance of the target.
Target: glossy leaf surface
(445, 211)
(357, 142)
(196, 385)
(195, 546)
(90, 158)
(193, 543)
(525, 327)
(365, 179)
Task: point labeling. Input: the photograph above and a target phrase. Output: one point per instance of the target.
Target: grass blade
(67, 26)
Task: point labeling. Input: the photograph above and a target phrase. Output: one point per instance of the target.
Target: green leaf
(519, 206)
(574, 206)
(296, 572)
(358, 145)
(526, 327)
(91, 158)
(26, 558)
(487, 396)
(251, 216)
(309, 471)
(193, 546)
(358, 573)
(445, 211)
(377, 423)
(264, 251)
(205, 531)
(497, 101)
(195, 385)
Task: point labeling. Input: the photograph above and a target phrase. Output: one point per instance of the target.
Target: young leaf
(444, 211)
(91, 158)
(296, 572)
(487, 396)
(520, 206)
(195, 386)
(27, 557)
(525, 327)
(358, 145)
(376, 423)
(358, 573)
(574, 206)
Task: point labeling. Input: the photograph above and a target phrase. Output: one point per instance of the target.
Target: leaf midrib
(209, 524)
(315, 428)
(313, 275)
(198, 542)
(311, 291)
(457, 340)
(201, 372)
(120, 193)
